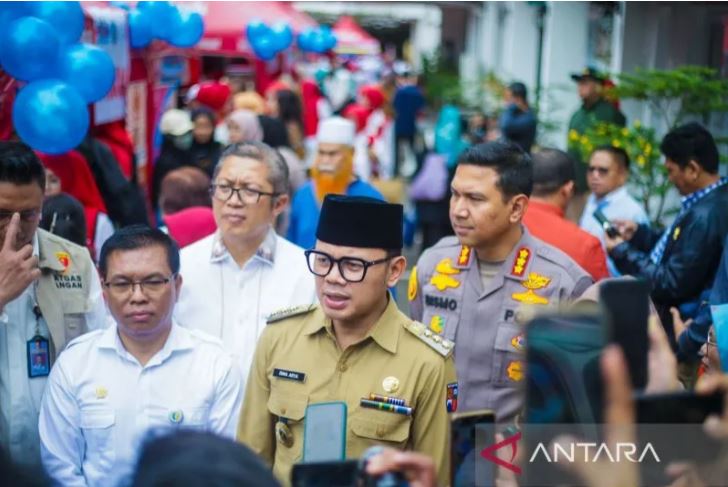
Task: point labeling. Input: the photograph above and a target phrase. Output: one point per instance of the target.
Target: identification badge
(39, 357)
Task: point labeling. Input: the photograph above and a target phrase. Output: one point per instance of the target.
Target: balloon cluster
(166, 22)
(318, 40)
(268, 41)
(39, 44)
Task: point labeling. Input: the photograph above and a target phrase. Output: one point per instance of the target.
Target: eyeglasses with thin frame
(148, 286)
(602, 171)
(25, 215)
(246, 195)
(352, 269)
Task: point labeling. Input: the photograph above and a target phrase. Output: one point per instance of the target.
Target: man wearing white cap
(332, 173)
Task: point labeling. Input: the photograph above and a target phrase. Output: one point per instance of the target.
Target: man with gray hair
(244, 272)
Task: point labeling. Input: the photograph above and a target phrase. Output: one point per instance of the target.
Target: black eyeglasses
(352, 269)
(151, 285)
(602, 171)
(246, 195)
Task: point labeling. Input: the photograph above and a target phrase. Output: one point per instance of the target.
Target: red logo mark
(489, 453)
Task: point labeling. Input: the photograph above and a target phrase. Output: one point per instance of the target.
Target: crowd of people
(266, 279)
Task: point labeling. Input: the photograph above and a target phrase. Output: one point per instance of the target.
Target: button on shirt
(20, 395)
(617, 205)
(231, 302)
(101, 403)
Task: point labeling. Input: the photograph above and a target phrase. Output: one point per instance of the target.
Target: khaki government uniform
(298, 362)
(487, 325)
(63, 289)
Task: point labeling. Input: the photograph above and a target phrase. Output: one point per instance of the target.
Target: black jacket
(690, 260)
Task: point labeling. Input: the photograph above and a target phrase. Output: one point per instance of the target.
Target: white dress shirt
(20, 395)
(232, 303)
(101, 403)
(618, 204)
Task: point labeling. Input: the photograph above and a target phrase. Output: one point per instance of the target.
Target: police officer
(49, 294)
(475, 288)
(396, 378)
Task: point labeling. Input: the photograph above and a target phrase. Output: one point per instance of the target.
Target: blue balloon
(50, 116)
(306, 40)
(190, 30)
(282, 35)
(163, 17)
(264, 48)
(319, 43)
(66, 17)
(88, 69)
(10, 11)
(29, 48)
(255, 30)
(140, 29)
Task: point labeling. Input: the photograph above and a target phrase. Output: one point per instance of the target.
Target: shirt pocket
(291, 408)
(74, 318)
(508, 365)
(379, 427)
(98, 431)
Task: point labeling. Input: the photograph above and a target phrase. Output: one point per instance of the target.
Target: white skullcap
(175, 122)
(336, 130)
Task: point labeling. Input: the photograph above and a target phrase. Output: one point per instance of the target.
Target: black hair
(512, 164)
(289, 107)
(274, 132)
(203, 112)
(691, 142)
(19, 165)
(206, 459)
(137, 237)
(63, 215)
(552, 169)
(518, 89)
(617, 153)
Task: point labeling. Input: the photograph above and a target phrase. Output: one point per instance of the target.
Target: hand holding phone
(608, 227)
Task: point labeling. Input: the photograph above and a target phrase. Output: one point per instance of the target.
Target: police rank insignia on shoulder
(439, 344)
(284, 313)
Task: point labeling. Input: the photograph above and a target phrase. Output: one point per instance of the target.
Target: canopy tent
(352, 39)
(225, 24)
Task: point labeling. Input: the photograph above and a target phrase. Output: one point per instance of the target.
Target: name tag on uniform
(39, 357)
(290, 375)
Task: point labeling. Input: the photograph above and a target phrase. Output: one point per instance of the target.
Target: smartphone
(564, 388)
(626, 307)
(469, 433)
(671, 425)
(609, 229)
(325, 474)
(324, 432)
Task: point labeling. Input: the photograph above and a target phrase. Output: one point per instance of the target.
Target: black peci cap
(359, 221)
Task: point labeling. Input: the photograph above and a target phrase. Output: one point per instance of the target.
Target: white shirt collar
(266, 251)
(177, 341)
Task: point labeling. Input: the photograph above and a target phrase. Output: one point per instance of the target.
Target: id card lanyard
(38, 347)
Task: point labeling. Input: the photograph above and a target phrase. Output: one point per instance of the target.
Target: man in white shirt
(143, 376)
(607, 175)
(49, 294)
(244, 272)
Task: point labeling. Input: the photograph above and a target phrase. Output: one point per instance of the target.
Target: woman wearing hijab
(243, 126)
(205, 150)
(69, 173)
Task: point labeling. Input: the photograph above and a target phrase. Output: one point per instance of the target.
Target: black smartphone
(670, 429)
(325, 474)
(626, 307)
(468, 431)
(609, 229)
(564, 388)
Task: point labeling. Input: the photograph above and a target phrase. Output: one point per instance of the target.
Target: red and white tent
(352, 39)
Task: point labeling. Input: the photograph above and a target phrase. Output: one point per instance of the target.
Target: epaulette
(441, 345)
(284, 313)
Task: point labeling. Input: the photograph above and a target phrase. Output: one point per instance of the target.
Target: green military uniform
(298, 362)
(582, 120)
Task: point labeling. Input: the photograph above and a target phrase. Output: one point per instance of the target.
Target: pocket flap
(97, 418)
(384, 427)
(288, 405)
